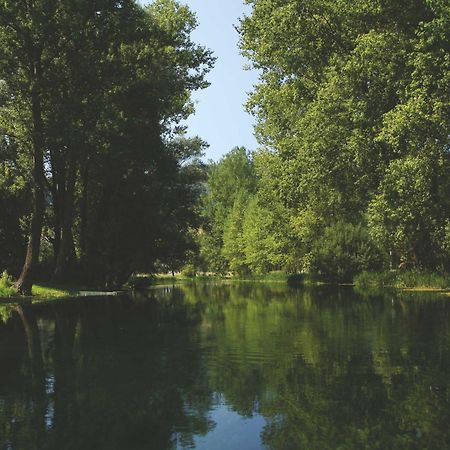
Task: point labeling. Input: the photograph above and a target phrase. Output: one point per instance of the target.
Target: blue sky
(220, 118)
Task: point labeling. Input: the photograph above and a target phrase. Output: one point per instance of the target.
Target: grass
(403, 280)
(275, 277)
(45, 290)
(42, 290)
(278, 277)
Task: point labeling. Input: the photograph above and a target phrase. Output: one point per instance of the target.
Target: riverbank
(47, 291)
(409, 280)
(39, 291)
(276, 277)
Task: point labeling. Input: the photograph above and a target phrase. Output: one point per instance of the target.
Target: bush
(425, 280)
(409, 279)
(374, 279)
(344, 250)
(6, 285)
(189, 271)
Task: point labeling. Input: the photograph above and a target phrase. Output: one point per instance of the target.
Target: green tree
(231, 178)
(346, 89)
(264, 238)
(98, 92)
(343, 251)
(26, 43)
(234, 250)
(407, 217)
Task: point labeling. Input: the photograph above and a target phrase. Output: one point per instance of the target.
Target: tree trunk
(25, 281)
(84, 211)
(66, 254)
(55, 190)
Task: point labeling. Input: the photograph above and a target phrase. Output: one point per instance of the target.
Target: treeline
(353, 118)
(96, 177)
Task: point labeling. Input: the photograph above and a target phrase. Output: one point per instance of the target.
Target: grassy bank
(48, 290)
(276, 277)
(38, 291)
(403, 280)
(42, 290)
(399, 280)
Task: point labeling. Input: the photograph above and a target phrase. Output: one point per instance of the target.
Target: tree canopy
(92, 98)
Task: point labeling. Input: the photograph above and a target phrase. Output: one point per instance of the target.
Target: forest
(99, 181)
(97, 177)
(353, 173)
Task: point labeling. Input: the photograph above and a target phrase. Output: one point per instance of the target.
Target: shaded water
(227, 367)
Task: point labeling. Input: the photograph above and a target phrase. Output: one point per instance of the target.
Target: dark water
(227, 367)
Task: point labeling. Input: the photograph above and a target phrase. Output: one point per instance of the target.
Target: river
(227, 367)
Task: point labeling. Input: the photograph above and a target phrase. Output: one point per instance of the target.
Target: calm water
(227, 367)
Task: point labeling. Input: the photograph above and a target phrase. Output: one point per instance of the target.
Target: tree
(407, 216)
(230, 180)
(98, 92)
(233, 249)
(346, 89)
(26, 39)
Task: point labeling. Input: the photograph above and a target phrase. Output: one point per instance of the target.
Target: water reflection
(227, 367)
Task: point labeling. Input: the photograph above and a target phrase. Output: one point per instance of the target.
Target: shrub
(409, 279)
(374, 279)
(344, 250)
(6, 285)
(189, 271)
(414, 279)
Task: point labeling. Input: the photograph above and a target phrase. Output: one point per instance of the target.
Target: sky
(220, 117)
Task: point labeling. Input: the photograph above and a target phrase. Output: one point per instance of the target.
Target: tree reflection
(116, 377)
(326, 368)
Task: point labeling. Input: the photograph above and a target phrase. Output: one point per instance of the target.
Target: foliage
(229, 184)
(402, 279)
(352, 117)
(13, 202)
(6, 285)
(188, 271)
(98, 93)
(407, 216)
(259, 246)
(344, 250)
(366, 279)
(48, 291)
(233, 248)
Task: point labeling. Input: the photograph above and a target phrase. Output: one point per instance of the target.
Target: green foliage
(407, 216)
(49, 291)
(344, 250)
(6, 285)
(189, 271)
(229, 184)
(99, 95)
(365, 280)
(412, 279)
(402, 279)
(351, 109)
(233, 248)
(14, 201)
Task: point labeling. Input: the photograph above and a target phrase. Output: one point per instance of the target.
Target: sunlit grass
(403, 280)
(50, 291)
